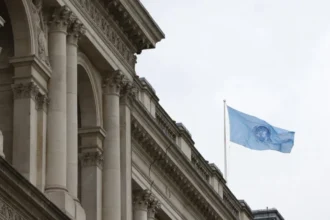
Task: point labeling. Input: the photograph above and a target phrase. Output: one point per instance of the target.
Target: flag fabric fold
(256, 134)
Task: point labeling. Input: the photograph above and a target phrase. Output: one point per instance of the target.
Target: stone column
(154, 206)
(25, 130)
(128, 94)
(141, 202)
(91, 161)
(111, 147)
(57, 116)
(75, 30)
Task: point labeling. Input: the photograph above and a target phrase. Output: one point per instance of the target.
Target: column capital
(142, 199)
(60, 19)
(25, 90)
(42, 101)
(154, 206)
(128, 93)
(91, 158)
(75, 30)
(112, 83)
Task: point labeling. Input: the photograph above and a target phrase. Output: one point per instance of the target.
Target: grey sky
(270, 59)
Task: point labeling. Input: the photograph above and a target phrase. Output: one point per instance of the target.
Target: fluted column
(57, 112)
(153, 208)
(128, 94)
(111, 147)
(74, 32)
(141, 201)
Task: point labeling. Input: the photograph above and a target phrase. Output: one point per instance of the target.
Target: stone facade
(82, 136)
(267, 214)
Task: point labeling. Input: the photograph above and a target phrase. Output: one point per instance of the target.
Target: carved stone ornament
(105, 26)
(128, 92)
(42, 101)
(171, 170)
(60, 19)
(40, 29)
(25, 90)
(94, 158)
(75, 31)
(7, 212)
(113, 83)
(142, 199)
(153, 208)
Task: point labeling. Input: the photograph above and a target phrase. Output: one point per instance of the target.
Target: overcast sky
(270, 59)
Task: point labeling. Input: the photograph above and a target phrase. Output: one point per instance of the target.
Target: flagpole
(225, 137)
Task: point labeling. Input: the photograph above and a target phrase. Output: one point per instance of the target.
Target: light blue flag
(257, 134)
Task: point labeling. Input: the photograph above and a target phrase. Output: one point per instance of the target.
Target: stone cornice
(135, 22)
(178, 177)
(229, 200)
(107, 29)
(20, 189)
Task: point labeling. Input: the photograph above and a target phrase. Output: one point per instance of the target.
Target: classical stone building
(267, 214)
(83, 137)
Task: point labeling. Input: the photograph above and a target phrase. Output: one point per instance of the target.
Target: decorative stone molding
(107, 28)
(42, 102)
(128, 93)
(164, 124)
(25, 90)
(91, 158)
(200, 165)
(153, 208)
(142, 199)
(113, 83)
(7, 212)
(75, 30)
(60, 19)
(170, 169)
(40, 29)
(33, 204)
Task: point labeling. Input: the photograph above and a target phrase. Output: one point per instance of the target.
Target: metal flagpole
(225, 137)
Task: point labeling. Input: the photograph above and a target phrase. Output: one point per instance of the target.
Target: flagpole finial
(224, 100)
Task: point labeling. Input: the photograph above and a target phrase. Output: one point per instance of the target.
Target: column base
(80, 212)
(63, 201)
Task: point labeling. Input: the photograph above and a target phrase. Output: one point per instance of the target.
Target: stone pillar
(128, 93)
(74, 31)
(42, 105)
(111, 147)
(91, 161)
(57, 116)
(154, 206)
(141, 202)
(25, 130)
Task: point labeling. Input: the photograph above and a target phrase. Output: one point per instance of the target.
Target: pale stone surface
(128, 94)
(91, 160)
(111, 148)
(25, 127)
(157, 162)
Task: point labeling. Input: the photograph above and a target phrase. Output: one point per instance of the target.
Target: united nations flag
(256, 134)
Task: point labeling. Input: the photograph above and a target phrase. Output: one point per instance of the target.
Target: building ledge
(23, 199)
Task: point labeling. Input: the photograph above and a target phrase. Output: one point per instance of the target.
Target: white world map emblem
(262, 133)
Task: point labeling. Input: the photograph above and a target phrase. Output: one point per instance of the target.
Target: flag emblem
(262, 133)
